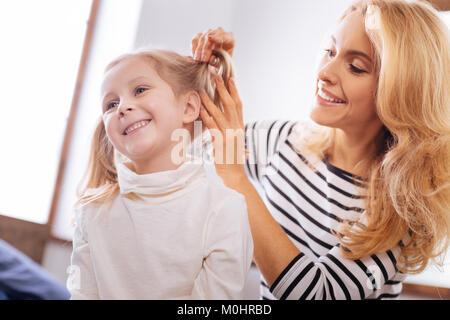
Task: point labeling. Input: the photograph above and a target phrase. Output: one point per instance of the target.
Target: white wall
(277, 44)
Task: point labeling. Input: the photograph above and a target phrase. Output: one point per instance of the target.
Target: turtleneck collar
(158, 183)
(199, 152)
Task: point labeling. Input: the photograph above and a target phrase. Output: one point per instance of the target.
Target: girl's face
(140, 110)
(347, 79)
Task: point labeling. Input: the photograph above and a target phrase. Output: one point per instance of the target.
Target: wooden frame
(426, 292)
(441, 5)
(91, 23)
(28, 237)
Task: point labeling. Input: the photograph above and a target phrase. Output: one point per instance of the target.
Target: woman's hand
(227, 130)
(203, 45)
(271, 254)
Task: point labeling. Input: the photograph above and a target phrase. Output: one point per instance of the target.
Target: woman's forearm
(273, 250)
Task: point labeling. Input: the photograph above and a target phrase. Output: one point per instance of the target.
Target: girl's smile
(135, 126)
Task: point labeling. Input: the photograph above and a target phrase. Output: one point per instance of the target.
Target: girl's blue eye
(111, 105)
(140, 90)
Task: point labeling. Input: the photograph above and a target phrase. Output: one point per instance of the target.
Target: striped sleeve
(262, 140)
(333, 277)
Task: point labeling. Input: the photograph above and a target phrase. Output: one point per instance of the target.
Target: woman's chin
(318, 117)
(325, 117)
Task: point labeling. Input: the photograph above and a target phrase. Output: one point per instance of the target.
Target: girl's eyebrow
(355, 52)
(138, 78)
(106, 96)
(129, 83)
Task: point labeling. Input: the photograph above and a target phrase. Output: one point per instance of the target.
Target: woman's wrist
(233, 177)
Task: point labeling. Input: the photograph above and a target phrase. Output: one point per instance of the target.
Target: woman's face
(347, 79)
(140, 110)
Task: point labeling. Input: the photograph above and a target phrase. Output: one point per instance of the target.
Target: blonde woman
(355, 203)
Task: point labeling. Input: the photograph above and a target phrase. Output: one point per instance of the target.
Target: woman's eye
(329, 52)
(356, 70)
(140, 90)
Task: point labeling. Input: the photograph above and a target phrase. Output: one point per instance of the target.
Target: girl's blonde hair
(409, 179)
(183, 74)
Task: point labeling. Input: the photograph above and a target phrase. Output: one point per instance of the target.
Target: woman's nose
(328, 73)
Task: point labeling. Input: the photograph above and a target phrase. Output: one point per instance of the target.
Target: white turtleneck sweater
(187, 238)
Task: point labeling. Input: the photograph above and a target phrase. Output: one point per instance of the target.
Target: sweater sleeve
(333, 277)
(81, 282)
(262, 140)
(228, 252)
(22, 278)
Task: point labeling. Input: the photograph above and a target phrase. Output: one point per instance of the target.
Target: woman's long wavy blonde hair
(183, 74)
(408, 187)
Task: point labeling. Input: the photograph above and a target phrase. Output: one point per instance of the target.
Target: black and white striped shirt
(308, 204)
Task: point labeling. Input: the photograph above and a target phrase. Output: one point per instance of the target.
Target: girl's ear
(192, 107)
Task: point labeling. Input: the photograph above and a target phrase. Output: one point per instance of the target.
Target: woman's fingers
(235, 96)
(208, 47)
(225, 40)
(212, 41)
(207, 119)
(201, 43)
(227, 102)
(212, 109)
(204, 43)
(194, 43)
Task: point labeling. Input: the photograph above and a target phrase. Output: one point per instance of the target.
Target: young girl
(148, 227)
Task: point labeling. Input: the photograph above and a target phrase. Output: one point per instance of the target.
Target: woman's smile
(329, 100)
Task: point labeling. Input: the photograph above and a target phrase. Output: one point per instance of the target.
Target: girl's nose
(124, 108)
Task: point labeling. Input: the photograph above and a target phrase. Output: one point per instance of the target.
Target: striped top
(309, 204)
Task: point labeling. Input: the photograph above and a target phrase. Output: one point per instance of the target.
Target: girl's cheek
(109, 127)
(106, 118)
(108, 122)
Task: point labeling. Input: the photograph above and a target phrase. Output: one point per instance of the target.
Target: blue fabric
(22, 278)
(3, 295)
